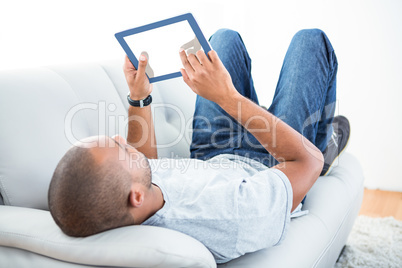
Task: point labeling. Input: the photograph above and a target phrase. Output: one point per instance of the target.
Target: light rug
(373, 242)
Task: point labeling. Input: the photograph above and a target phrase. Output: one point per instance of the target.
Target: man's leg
(305, 95)
(214, 131)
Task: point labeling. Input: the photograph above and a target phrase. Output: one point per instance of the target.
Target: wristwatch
(139, 103)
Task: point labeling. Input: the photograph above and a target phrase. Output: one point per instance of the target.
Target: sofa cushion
(133, 246)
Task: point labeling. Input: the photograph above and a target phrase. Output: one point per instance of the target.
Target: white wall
(366, 35)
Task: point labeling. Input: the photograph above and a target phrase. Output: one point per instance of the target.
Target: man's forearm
(299, 159)
(278, 138)
(141, 132)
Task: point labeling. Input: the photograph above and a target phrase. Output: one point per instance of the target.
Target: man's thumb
(142, 64)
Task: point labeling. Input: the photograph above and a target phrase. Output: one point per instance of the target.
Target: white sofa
(43, 110)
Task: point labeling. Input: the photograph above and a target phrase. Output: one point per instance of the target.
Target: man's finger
(202, 57)
(186, 79)
(213, 56)
(187, 66)
(185, 76)
(192, 59)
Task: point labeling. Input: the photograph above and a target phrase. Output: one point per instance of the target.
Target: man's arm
(298, 158)
(141, 132)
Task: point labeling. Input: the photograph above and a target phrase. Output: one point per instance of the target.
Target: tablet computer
(161, 42)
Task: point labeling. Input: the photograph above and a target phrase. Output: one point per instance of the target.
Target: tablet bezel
(185, 17)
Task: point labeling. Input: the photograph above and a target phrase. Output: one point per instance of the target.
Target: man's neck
(154, 203)
(157, 200)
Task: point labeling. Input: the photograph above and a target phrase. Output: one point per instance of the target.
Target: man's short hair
(86, 198)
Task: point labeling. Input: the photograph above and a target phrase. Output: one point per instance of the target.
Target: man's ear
(136, 196)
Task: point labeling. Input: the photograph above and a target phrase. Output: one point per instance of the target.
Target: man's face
(116, 150)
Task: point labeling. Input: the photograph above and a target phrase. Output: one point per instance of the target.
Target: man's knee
(310, 34)
(312, 38)
(226, 35)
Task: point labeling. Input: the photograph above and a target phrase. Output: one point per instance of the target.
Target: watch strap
(139, 103)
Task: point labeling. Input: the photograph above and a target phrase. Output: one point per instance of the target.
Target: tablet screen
(162, 46)
(161, 42)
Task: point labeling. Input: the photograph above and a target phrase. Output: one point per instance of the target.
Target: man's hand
(207, 77)
(137, 80)
(141, 132)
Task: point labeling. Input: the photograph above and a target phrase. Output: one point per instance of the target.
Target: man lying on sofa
(249, 168)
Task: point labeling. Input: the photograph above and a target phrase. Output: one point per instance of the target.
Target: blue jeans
(304, 98)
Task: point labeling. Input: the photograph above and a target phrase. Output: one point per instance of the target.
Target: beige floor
(378, 203)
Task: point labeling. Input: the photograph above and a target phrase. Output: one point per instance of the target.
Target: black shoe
(337, 144)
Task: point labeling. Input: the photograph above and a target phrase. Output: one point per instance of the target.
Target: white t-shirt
(232, 204)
